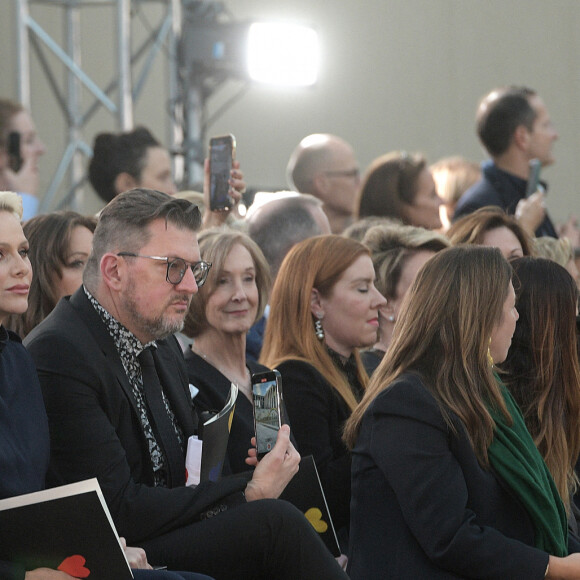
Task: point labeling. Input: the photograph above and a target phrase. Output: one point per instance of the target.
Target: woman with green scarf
(446, 480)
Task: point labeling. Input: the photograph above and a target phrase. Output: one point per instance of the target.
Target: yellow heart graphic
(314, 516)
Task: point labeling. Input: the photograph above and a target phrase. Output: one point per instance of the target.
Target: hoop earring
(318, 327)
(489, 357)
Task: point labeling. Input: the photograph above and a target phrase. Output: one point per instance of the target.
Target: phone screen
(266, 394)
(15, 158)
(534, 178)
(221, 156)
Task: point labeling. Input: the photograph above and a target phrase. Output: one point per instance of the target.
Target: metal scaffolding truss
(133, 67)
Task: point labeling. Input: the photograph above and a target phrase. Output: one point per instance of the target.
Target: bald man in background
(326, 167)
(276, 222)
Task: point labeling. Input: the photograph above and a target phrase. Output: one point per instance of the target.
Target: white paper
(193, 460)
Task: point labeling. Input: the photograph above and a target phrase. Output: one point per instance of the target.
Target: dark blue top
(24, 451)
(499, 188)
(24, 441)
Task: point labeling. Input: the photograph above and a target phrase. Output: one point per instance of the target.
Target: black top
(317, 414)
(214, 389)
(499, 188)
(423, 507)
(371, 359)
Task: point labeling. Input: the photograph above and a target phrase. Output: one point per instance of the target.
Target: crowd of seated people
(434, 380)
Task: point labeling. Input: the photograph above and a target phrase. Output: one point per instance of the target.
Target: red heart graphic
(74, 566)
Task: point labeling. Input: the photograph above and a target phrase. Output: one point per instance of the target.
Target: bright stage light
(283, 54)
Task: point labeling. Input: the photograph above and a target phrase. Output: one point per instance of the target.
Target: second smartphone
(222, 152)
(267, 395)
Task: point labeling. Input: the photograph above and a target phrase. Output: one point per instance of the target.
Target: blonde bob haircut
(315, 263)
(215, 245)
(391, 247)
(443, 333)
(558, 250)
(12, 203)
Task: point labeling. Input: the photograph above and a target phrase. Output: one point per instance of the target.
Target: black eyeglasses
(352, 173)
(177, 267)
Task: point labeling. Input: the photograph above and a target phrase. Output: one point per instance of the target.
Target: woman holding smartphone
(446, 479)
(20, 151)
(221, 313)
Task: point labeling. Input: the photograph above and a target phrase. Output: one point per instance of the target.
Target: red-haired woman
(324, 306)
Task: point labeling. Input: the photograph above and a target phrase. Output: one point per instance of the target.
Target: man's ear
(124, 182)
(521, 137)
(316, 304)
(321, 185)
(113, 268)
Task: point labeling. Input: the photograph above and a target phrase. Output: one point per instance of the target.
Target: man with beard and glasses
(119, 408)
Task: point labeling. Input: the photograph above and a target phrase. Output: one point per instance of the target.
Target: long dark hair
(542, 369)
(443, 332)
(49, 236)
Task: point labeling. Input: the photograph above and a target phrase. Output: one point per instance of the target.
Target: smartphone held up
(222, 152)
(534, 178)
(267, 399)
(14, 152)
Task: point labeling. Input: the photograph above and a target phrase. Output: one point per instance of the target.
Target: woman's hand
(570, 230)
(567, 568)
(237, 189)
(275, 470)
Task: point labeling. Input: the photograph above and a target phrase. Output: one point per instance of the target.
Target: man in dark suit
(514, 126)
(119, 409)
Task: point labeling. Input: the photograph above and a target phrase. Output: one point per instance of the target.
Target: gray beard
(158, 328)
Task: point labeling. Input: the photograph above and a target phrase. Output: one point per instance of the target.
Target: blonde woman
(398, 254)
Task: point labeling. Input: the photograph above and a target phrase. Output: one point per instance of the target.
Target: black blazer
(214, 389)
(317, 414)
(94, 426)
(422, 506)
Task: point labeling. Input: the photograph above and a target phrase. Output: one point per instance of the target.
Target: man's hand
(531, 211)
(275, 470)
(135, 556)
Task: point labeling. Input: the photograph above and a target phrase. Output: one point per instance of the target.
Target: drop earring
(318, 327)
(489, 357)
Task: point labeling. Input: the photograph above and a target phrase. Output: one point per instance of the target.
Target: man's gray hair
(123, 224)
(280, 224)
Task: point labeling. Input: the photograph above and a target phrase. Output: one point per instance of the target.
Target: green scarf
(515, 458)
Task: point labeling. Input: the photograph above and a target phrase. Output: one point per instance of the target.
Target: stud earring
(391, 318)
(318, 327)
